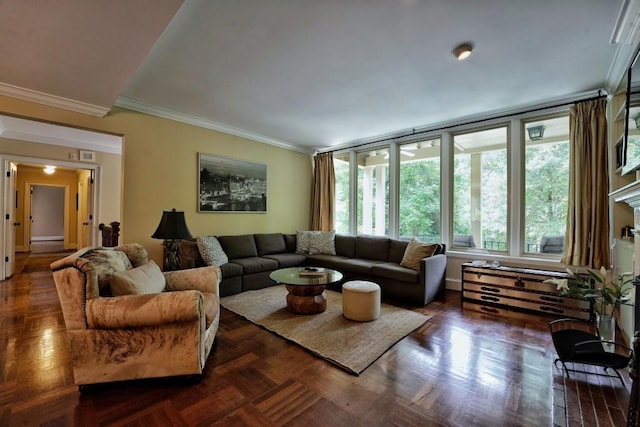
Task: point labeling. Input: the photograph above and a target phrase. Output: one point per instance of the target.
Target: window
(546, 185)
(341, 214)
(509, 209)
(373, 192)
(480, 189)
(420, 191)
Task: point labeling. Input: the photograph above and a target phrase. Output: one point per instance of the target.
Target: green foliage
(546, 195)
(547, 190)
(420, 199)
(607, 295)
(341, 218)
(462, 194)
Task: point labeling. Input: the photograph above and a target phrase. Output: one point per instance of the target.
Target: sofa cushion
(287, 260)
(356, 265)
(290, 242)
(230, 269)
(146, 279)
(242, 246)
(416, 250)
(136, 253)
(268, 244)
(372, 247)
(345, 246)
(396, 250)
(322, 242)
(211, 251)
(107, 262)
(327, 261)
(256, 264)
(394, 271)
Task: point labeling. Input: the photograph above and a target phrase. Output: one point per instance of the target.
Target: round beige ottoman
(360, 300)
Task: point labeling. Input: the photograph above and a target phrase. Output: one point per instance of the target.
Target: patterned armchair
(158, 324)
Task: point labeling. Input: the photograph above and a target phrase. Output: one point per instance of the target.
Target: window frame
(516, 150)
(523, 192)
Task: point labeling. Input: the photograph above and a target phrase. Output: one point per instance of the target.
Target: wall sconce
(49, 170)
(172, 228)
(536, 133)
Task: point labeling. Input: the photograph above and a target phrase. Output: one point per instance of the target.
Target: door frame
(5, 161)
(28, 201)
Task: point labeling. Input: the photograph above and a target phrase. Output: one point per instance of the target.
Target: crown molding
(626, 34)
(627, 24)
(52, 100)
(143, 107)
(47, 133)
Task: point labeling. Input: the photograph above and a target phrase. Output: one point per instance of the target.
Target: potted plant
(606, 295)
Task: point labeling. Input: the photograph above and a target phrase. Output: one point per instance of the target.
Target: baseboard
(453, 285)
(47, 238)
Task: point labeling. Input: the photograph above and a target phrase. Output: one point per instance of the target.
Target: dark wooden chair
(577, 341)
(110, 234)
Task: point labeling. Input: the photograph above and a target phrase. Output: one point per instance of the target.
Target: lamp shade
(172, 226)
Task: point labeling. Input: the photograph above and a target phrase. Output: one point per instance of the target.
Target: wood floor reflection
(461, 368)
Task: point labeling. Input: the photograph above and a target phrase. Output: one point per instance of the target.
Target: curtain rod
(471, 122)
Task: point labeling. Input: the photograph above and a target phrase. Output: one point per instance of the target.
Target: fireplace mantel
(629, 194)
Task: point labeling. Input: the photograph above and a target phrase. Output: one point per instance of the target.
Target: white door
(10, 222)
(85, 210)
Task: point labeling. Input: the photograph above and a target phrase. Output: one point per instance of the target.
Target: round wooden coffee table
(306, 292)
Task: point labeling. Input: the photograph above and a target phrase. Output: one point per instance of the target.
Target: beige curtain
(323, 193)
(587, 237)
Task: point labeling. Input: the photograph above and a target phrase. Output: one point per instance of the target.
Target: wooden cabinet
(492, 290)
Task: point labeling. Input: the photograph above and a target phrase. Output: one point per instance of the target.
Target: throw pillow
(136, 253)
(211, 251)
(322, 242)
(106, 262)
(302, 242)
(146, 279)
(416, 250)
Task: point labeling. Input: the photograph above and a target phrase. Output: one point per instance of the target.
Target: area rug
(41, 262)
(353, 346)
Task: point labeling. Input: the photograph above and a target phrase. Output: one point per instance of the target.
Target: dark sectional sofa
(252, 257)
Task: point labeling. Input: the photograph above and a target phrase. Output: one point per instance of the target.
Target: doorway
(32, 207)
(47, 218)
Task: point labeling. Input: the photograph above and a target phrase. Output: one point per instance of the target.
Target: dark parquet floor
(461, 368)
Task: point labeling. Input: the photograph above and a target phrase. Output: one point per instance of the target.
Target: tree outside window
(420, 191)
(546, 186)
(480, 189)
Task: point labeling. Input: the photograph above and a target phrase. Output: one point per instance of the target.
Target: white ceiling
(311, 74)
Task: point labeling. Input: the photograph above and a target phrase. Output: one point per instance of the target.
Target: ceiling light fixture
(49, 170)
(462, 51)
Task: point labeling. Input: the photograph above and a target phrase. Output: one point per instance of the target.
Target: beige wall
(160, 172)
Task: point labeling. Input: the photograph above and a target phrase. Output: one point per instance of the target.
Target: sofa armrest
(433, 271)
(203, 279)
(135, 311)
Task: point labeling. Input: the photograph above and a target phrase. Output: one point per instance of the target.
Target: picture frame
(227, 185)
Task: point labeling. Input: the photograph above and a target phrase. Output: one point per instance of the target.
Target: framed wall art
(231, 185)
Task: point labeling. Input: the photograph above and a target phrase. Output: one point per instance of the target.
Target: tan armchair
(147, 335)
